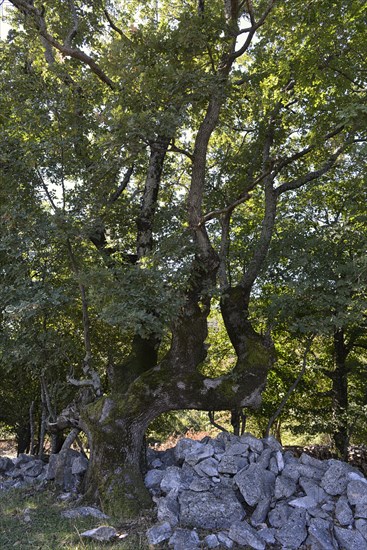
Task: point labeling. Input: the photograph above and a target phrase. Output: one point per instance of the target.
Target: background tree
(319, 255)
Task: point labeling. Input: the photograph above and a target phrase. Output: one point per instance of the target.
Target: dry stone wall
(251, 494)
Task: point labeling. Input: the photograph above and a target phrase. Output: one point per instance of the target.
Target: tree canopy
(166, 163)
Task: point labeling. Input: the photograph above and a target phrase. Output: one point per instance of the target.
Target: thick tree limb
(121, 188)
(262, 247)
(304, 152)
(313, 175)
(254, 28)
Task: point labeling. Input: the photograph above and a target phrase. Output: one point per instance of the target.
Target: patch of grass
(31, 518)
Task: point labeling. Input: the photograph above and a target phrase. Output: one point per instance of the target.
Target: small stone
(156, 463)
(280, 461)
(158, 533)
(101, 534)
(22, 459)
(64, 497)
(314, 462)
(279, 515)
(80, 465)
(335, 478)
(343, 512)
(350, 539)
(311, 472)
(285, 487)
(293, 532)
(243, 534)
(273, 466)
(254, 443)
(329, 507)
(199, 455)
(357, 492)
(184, 539)
(211, 541)
(184, 447)
(264, 459)
(320, 531)
(303, 502)
(6, 464)
(312, 489)
(272, 443)
(237, 449)
(200, 484)
(153, 479)
(172, 479)
(267, 534)
(261, 511)
(319, 513)
(210, 510)
(255, 483)
(168, 508)
(356, 476)
(229, 464)
(207, 467)
(83, 511)
(361, 526)
(361, 511)
(32, 469)
(291, 470)
(289, 458)
(225, 540)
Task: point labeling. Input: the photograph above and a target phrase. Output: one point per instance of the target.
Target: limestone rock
(6, 464)
(210, 510)
(243, 534)
(184, 539)
(361, 526)
(168, 508)
(284, 487)
(101, 534)
(225, 540)
(293, 533)
(349, 539)
(321, 532)
(211, 541)
(335, 478)
(83, 511)
(207, 467)
(261, 511)
(79, 465)
(255, 483)
(158, 533)
(357, 492)
(33, 468)
(153, 479)
(343, 512)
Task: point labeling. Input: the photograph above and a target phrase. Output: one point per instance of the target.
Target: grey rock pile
(245, 492)
(250, 493)
(29, 470)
